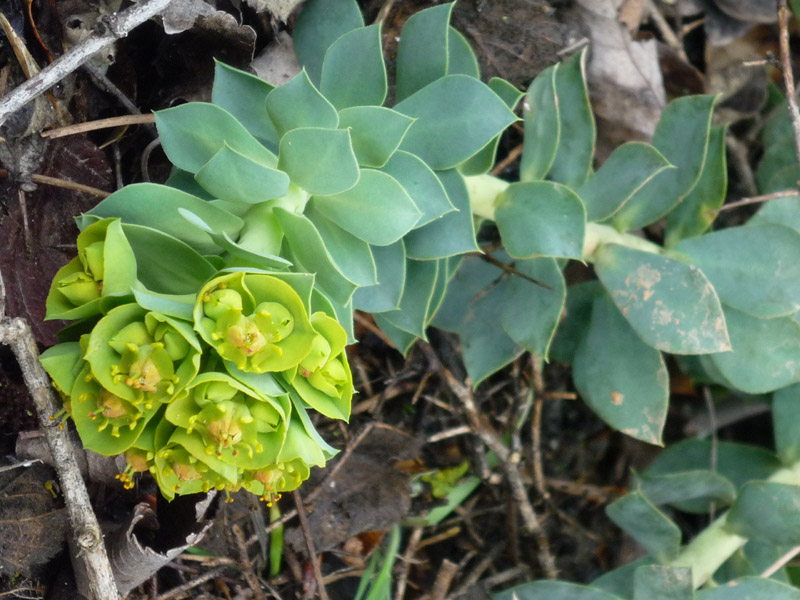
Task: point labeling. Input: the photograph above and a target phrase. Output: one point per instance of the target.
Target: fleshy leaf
(623, 379)
(530, 312)
(689, 485)
(189, 147)
(321, 161)
(232, 176)
(402, 340)
(376, 132)
(541, 218)
(412, 315)
(352, 255)
(182, 273)
(766, 352)
(421, 184)
(243, 95)
(390, 265)
(647, 525)
(158, 206)
(353, 73)
(785, 416)
(298, 103)
(626, 171)
(658, 582)
(670, 304)
(573, 160)
(461, 59)
(781, 211)
(748, 267)
(697, 212)
(572, 328)
(377, 209)
(542, 127)
(310, 250)
(766, 511)
(553, 590)
(747, 588)
(423, 49)
(456, 116)
(318, 26)
(453, 233)
(682, 136)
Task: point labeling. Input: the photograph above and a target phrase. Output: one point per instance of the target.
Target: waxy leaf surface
(541, 218)
(232, 176)
(376, 132)
(421, 184)
(625, 172)
(456, 116)
(647, 525)
(353, 73)
(682, 136)
(377, 209)
(750, 267)
(423, 50)
(390, 265)
(670, 304)
(542, 127)
(243, 95)
(299, 104)
(321, 161)
(624, 380)
(189, 146)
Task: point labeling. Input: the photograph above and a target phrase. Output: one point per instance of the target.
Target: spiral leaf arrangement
(211, 314)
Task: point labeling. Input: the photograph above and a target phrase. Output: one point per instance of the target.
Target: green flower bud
(323, 379)
(100, 276)
(143, 357)
(107, 423)
(255, 320)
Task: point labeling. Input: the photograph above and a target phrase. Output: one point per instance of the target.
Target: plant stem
(484, 191)
(718, 542)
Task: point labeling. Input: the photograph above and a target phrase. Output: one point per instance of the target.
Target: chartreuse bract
(211, 313)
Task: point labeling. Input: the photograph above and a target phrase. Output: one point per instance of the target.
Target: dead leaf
(134, 563)
(282, 9)
(277, 63)
(631, 14)
(32, 529)
(624, 75)
(366, 494)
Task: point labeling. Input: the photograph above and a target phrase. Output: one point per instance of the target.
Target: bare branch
(788, 75)
(109, 30)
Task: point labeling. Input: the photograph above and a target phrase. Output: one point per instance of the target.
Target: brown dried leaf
(32, 529)
(367, 493)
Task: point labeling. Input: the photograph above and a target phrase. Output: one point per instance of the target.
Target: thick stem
(718, 542)
(484, 192)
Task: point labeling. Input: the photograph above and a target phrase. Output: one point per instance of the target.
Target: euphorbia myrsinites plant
(211, 313)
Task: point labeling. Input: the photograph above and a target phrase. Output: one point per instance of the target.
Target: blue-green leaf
(541, 218)
(390, 265)
(748, 267)
(319, 25)
(244, 95)
(670, 304)
(412, 314)
(422, 54)
(542, 127)
(298, 103)
(456, 116)
(232, 176)
(377, 209)
(624, 380)
(421, 184)
(189, 146)
(321, 161)
(647, 525)
(376, 132)
(353, 73)
(553, 590)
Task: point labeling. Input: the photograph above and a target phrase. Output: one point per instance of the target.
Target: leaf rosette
(98, 278)
(255, 320)
(323, 378)
(144, 358)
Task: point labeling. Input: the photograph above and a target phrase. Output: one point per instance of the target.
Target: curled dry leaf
(32, 528)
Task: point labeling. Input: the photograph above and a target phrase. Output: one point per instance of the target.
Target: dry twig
(312, 553)
(788, 75)
(99, 124)
(110, 29)
(758, 199)
(16, 332)
(488, 436)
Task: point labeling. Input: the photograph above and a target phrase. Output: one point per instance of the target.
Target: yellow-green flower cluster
(211, 398)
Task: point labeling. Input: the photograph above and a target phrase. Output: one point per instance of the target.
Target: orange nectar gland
(136, 462)
(111, 407)
(268, 478)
